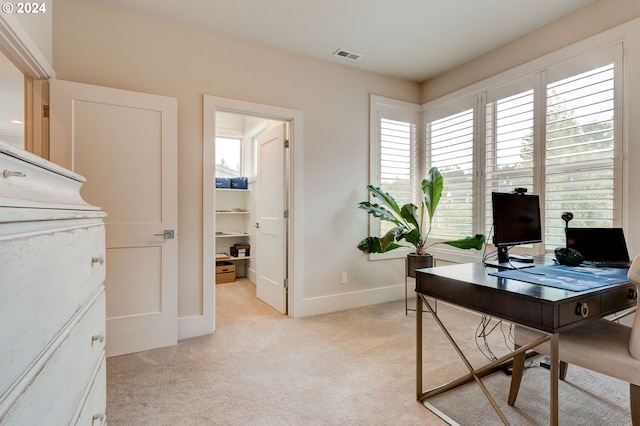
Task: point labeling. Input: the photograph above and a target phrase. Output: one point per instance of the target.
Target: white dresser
(52, 303)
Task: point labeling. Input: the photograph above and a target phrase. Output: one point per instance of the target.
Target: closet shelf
(232, 190)
(225, 234)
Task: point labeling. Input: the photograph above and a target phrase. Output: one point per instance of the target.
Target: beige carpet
(355, 367)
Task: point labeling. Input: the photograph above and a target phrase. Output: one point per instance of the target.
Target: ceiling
(409, 39)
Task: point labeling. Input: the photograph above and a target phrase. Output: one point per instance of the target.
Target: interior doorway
(250, 203)
(241, 124)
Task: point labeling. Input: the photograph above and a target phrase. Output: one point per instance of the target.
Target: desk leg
(418, 346)
(555, 371)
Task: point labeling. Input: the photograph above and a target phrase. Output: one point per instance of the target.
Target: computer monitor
(516, 221)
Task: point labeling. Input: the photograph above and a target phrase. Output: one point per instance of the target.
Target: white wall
(38, 26)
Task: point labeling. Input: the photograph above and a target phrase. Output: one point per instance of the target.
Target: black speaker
(568, 256)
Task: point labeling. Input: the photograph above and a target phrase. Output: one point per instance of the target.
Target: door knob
(167, 234)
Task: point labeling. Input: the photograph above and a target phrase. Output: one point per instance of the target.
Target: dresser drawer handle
(633, 294)
(98, 417)
(9, 173)
(97, 338)
(97, 259)
(582, 309)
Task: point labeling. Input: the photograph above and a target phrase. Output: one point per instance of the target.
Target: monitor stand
(506, 261)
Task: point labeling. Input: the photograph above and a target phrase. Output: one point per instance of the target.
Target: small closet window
(228, 157)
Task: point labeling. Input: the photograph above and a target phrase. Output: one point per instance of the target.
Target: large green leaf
(377, 245)
(432, 189)
(414, 238)
(398, 232)
(379, 212)
(475, 242)
(385, 198)
(409, 212)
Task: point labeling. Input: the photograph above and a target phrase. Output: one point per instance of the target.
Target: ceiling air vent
(346, 54)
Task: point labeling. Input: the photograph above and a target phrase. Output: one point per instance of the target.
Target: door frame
(20, 49)
(212, 104)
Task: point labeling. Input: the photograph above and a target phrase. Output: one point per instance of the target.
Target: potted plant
(412, 224)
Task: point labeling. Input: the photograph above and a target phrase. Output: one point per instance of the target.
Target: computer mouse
(568, 256)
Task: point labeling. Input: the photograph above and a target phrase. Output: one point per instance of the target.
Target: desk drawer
(578, 310)
(611, 301)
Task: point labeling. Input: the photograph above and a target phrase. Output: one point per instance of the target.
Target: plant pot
(416, 261)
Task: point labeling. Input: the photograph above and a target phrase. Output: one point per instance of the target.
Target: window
(228, 157)
(450, 148)
(396, 149)
(394, 156)
(554, 131)
(580, 151)
(509, 149)
(397, 140)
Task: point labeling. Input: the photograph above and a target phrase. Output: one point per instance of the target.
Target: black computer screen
(599, 244)
(516, 219)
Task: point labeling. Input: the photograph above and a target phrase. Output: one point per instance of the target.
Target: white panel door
(125, 144)
(271, 250)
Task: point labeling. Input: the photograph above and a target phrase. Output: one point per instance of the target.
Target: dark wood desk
(547, 309)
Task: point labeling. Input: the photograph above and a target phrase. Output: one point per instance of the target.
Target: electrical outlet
(343, 278)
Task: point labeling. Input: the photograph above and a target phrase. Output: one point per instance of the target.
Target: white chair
(604, 346)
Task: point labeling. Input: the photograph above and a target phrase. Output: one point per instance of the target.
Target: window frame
(381, 107)
(434, 113)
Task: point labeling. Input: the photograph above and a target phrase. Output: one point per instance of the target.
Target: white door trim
(21, 50)
(211, 104)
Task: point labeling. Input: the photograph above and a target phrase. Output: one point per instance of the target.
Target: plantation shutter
(580, 152)
(394, 143)
(509, 154)
(396, 151)
(450, 146)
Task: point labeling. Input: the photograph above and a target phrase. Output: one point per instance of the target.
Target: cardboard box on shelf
(225, 266)
(225, 272)
(225, 277)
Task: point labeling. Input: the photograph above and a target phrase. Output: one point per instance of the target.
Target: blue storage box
(222, 182)
(239, 183)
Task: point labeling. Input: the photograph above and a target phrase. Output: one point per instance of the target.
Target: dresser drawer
(77, 351)
(47, 278)
(94, 408)
(37, 183)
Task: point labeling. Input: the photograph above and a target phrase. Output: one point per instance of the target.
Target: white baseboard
(356, 299)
